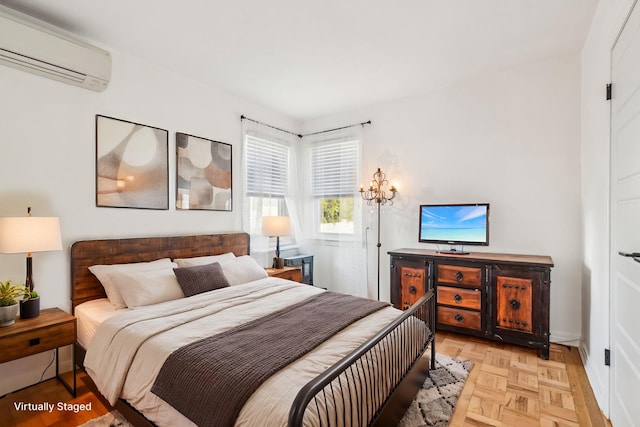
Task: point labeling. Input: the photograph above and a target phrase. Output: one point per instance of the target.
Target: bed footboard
(375, 382)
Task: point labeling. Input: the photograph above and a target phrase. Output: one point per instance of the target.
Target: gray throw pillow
(201, 278)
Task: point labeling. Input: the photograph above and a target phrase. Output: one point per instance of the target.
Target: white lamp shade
(29, 234)
(276, 226)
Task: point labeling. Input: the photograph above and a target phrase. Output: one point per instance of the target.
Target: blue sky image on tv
(454, 223)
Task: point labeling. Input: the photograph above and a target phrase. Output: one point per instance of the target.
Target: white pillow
(241, 270)
(203, 260)
(140, 288)
(102, 272)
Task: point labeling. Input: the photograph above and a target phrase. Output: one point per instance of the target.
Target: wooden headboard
(85, 286)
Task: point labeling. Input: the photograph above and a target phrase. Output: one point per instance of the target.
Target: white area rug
(433, 406)
(112, 419)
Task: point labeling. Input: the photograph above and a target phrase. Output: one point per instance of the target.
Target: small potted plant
(30, 305)
(9, 294)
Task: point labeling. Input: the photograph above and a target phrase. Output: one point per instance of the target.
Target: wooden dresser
(503, 297)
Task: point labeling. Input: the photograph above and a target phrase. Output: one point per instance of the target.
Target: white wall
(47, 161)
(510, 138)
(595, 110)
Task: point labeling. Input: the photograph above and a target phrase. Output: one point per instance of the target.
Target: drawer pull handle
(34, 341)
(412, 290)
(515, 304)
(459, 276)
(457, 298)
(459, 318)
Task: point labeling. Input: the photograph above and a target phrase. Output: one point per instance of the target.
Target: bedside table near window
(305, 262)
(51, 330)
(289, 273)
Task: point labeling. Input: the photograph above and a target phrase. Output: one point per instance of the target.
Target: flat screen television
(455, 224)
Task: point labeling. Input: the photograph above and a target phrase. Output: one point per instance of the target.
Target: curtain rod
(243, 117)
(340, 128)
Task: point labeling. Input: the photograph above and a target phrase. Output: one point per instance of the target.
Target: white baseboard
(600, 389)
(564, 338)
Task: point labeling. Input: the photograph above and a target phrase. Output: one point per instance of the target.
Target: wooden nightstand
(289, 273)
(51, 330)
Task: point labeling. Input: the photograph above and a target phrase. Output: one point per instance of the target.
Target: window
(266, 178)
(334, 172)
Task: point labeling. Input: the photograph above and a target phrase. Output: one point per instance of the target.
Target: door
(625, 226)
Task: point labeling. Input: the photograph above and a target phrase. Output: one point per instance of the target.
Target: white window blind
(334, 168)
(267, 167)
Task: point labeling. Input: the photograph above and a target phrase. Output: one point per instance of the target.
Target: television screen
(463, 224)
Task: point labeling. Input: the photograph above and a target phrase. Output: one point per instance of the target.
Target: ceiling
(308, 59)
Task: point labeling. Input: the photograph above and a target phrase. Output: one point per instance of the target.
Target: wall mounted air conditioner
(44, 50)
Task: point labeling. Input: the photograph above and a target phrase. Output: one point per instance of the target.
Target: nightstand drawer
(289, 273)
(37, 340)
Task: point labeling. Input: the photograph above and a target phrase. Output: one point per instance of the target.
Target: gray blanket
(210, 380)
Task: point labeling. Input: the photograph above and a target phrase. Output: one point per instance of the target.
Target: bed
(366, 374)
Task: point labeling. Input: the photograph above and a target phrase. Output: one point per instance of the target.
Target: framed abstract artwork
(203, 174)
(132, 167)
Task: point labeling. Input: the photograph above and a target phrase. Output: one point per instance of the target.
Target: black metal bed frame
(380, 392)
(359, 390)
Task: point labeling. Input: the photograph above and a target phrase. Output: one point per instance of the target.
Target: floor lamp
(376, 194)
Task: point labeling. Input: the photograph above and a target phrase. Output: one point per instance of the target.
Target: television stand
(503, 297)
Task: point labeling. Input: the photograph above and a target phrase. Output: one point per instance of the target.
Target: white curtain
(267, 160)
(328, 167)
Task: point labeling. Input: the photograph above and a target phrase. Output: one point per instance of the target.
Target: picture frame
(204, 174)
(132, 167)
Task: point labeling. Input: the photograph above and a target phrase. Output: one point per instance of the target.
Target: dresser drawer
(459, 317)
(467, 276)
(38, 340)
(465, 298)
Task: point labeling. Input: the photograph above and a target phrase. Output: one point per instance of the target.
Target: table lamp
(276, 226)
(29, 234)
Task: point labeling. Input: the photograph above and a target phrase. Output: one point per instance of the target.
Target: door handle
(633, 255)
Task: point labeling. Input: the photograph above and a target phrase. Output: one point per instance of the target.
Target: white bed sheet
(270, 402)
(90, 315)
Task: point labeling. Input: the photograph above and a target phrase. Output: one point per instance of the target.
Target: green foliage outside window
(336, 210)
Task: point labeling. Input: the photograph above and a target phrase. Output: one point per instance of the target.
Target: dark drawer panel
(459, 317)
(469, 276)
(465, 298)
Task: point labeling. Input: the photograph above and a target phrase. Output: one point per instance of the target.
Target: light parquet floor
(511, 386)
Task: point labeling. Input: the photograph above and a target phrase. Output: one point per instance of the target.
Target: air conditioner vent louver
(43, 50)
